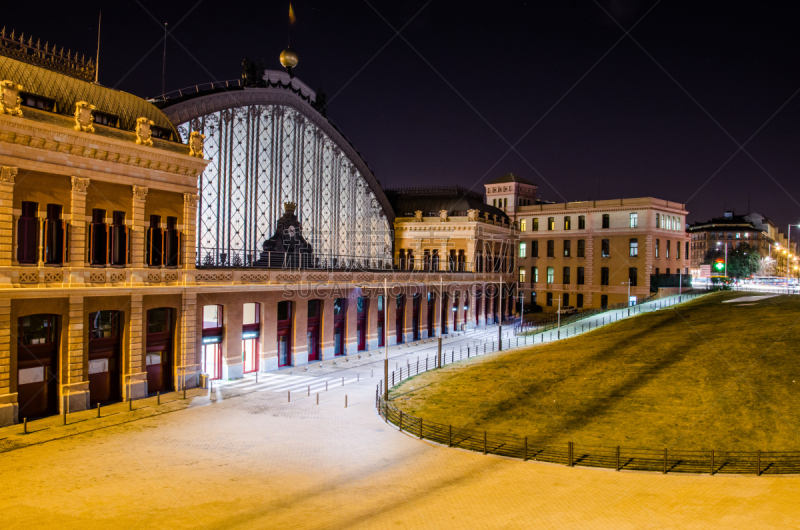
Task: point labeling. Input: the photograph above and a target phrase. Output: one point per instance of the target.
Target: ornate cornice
(140, 192)
(50, 138)
(7, 174)
(80, 185)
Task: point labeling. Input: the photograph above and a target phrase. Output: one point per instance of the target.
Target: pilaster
(232, 362)
(8, 405)
(326, 336)
(299, 330)
(372, 323)
(77, 230)
(138, 227)
(351, 324)
(188, 246)
(188, 365)
(7, 177)
(134, 377)
(75, 393)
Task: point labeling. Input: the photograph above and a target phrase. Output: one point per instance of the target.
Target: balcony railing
(208, 258)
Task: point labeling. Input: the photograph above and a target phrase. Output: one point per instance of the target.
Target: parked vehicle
(567, 310)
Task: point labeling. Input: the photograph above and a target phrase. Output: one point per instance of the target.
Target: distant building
(587, 252)
(732, 230)
(509, 193)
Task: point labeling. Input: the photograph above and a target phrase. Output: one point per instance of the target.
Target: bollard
(184, 391)
(25, 425)
(130, 404)
(98, 410)
(345, 401)
(309, 391)
(288, 396)
(64, 417)
(326, 386)
(158, 398)
(317, 398)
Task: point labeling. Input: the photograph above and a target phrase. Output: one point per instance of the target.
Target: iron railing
(663, 460)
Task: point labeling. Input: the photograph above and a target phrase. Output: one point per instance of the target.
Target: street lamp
(789, 254)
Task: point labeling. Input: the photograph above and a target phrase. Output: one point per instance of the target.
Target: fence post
(450, 436)
(484, 442)
(440, 352)
(758, 463)
(98, 410)
(420, 428)
(665, 460)
(712, 462)
(525, 458)
(401, 421)
(569, 454)
(617, 458)
(25, 423)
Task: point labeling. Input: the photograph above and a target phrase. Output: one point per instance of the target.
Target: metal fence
(662, 460)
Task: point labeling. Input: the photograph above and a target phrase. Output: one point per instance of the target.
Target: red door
(398, 318)
(284, 333)
(105, 329)
(158, 357)
(37, 366)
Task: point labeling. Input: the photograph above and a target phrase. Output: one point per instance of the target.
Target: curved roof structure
(66, 91)
(295, 95)
(269, 145)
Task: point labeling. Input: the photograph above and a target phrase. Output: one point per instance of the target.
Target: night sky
(662, 112)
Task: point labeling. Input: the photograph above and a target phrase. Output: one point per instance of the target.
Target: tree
(743, 261)
(766, 267)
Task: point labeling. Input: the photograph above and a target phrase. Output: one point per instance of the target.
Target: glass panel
(159, 320)
(37, 329)
(283, 351)
(251, 314)
(284, 310)
(212, 316)
(103, 324)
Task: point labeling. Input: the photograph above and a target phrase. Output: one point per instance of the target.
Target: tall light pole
(386, 340)
(788, 255)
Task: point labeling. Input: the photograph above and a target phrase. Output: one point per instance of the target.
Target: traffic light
(719, 265)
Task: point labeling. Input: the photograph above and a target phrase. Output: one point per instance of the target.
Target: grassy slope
(705, 375)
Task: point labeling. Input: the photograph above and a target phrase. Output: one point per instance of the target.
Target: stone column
(77, 229)
(188, 364)
(188, 237)
(326, 337)
(135, 378)
(351, 323)
(75, 393)
(472, 290)
(232, 362)
(269, 332)
(299, 331)
(7, 176)
(138, 227)
(8, 401)
(390, 316)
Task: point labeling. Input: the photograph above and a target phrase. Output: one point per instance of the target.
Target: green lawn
(704, 375)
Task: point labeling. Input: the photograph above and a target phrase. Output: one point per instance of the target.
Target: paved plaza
(247, 457)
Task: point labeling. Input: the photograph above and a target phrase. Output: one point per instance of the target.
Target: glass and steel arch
(269, 146)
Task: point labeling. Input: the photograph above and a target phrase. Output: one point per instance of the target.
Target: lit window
(634, 247)
(567, 223)
(522, 275)
(535, 275)
(605, 248)
(634, 220)
(523, 248)
(551, 223)
(523, 225)
(551, 275)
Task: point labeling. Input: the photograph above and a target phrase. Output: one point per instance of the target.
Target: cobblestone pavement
(253, 459)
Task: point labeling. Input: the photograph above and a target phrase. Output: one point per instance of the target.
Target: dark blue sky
(658, 118)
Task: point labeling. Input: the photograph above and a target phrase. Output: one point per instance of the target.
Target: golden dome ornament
(289, 58)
